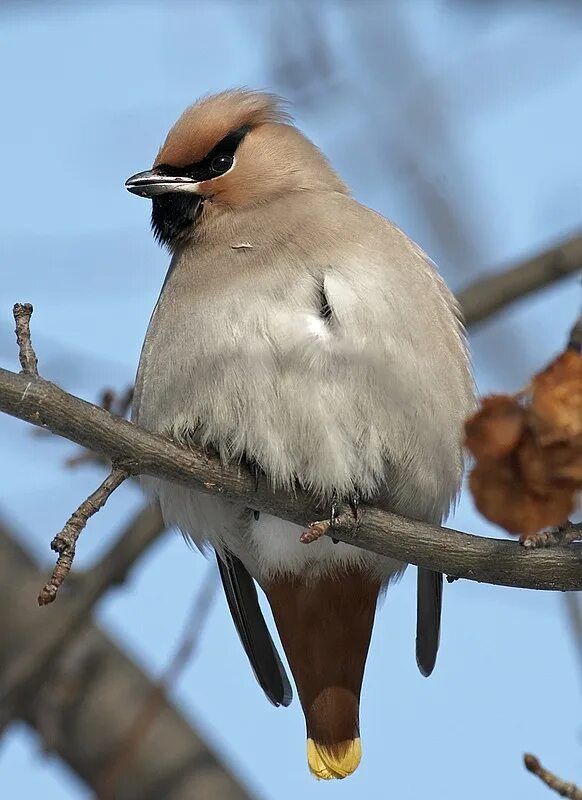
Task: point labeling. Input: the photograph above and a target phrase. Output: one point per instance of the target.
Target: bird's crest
(210, 119)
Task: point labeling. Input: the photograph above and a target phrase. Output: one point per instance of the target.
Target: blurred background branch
(82, 699)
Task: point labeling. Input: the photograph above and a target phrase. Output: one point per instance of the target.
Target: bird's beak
(151, 183)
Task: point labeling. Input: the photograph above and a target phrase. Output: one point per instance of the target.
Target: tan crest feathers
(211, 118)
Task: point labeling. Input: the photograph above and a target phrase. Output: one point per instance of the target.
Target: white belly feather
(358, 403)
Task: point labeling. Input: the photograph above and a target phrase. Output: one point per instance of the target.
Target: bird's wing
(415, 348)
(241, 596)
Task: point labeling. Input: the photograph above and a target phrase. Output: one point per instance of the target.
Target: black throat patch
(175, 214)
(172, 215)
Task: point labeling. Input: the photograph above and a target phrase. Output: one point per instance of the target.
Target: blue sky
(481, 112)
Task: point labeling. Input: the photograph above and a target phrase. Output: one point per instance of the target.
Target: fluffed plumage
(300, 330)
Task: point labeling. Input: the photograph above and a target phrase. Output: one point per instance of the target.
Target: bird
(307, 338)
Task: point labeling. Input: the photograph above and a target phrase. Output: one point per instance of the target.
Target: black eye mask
(176, 212)
(218, 161)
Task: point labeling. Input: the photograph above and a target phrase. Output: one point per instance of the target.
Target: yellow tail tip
(337, 761)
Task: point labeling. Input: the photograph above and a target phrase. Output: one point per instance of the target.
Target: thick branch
(85, 699)
(138, 535)
(485, 297)
(442, 549)
(148, 713)
(111, 569)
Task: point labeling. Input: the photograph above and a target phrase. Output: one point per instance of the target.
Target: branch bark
(563, 788)
(83, 703)
(445, 550)
(489, 295)
(26, 667)
(148, 713)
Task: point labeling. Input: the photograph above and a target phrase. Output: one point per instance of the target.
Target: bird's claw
(254, 470)
(354, 503)
(318, 529)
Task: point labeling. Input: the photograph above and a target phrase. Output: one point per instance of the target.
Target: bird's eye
(221, 164)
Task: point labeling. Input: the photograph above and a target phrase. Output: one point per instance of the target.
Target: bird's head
(228, 152)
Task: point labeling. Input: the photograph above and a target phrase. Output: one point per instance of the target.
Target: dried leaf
(564, 461)
(533, 467)
(557, 398)
(502, 497)
(495, 430)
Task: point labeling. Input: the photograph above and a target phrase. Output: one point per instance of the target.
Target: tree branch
(482, 299)
(445, 550)
(65, 542)
(147, 714)
(22, 313)
(85, 697)
(24, 668)
(564, 789)
(489, 295)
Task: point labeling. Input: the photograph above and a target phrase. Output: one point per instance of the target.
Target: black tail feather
(429, 600)
(241, 596)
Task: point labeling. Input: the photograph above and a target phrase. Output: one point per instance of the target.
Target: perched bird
(305, 335)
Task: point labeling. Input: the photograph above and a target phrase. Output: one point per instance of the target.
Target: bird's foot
(354, 503)
(318, 529)
(254, 469)
(553, 537)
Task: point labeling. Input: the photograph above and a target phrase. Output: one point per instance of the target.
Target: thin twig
(64, 542)
(28, 361)
(148, 713)
(564, 789)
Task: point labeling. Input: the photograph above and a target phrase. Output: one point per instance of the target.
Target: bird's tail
(325, 627)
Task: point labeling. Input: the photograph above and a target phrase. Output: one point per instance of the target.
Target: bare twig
(28, 361)
(65, 542)
(564, 789)
(147, 715)
(488, 296)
